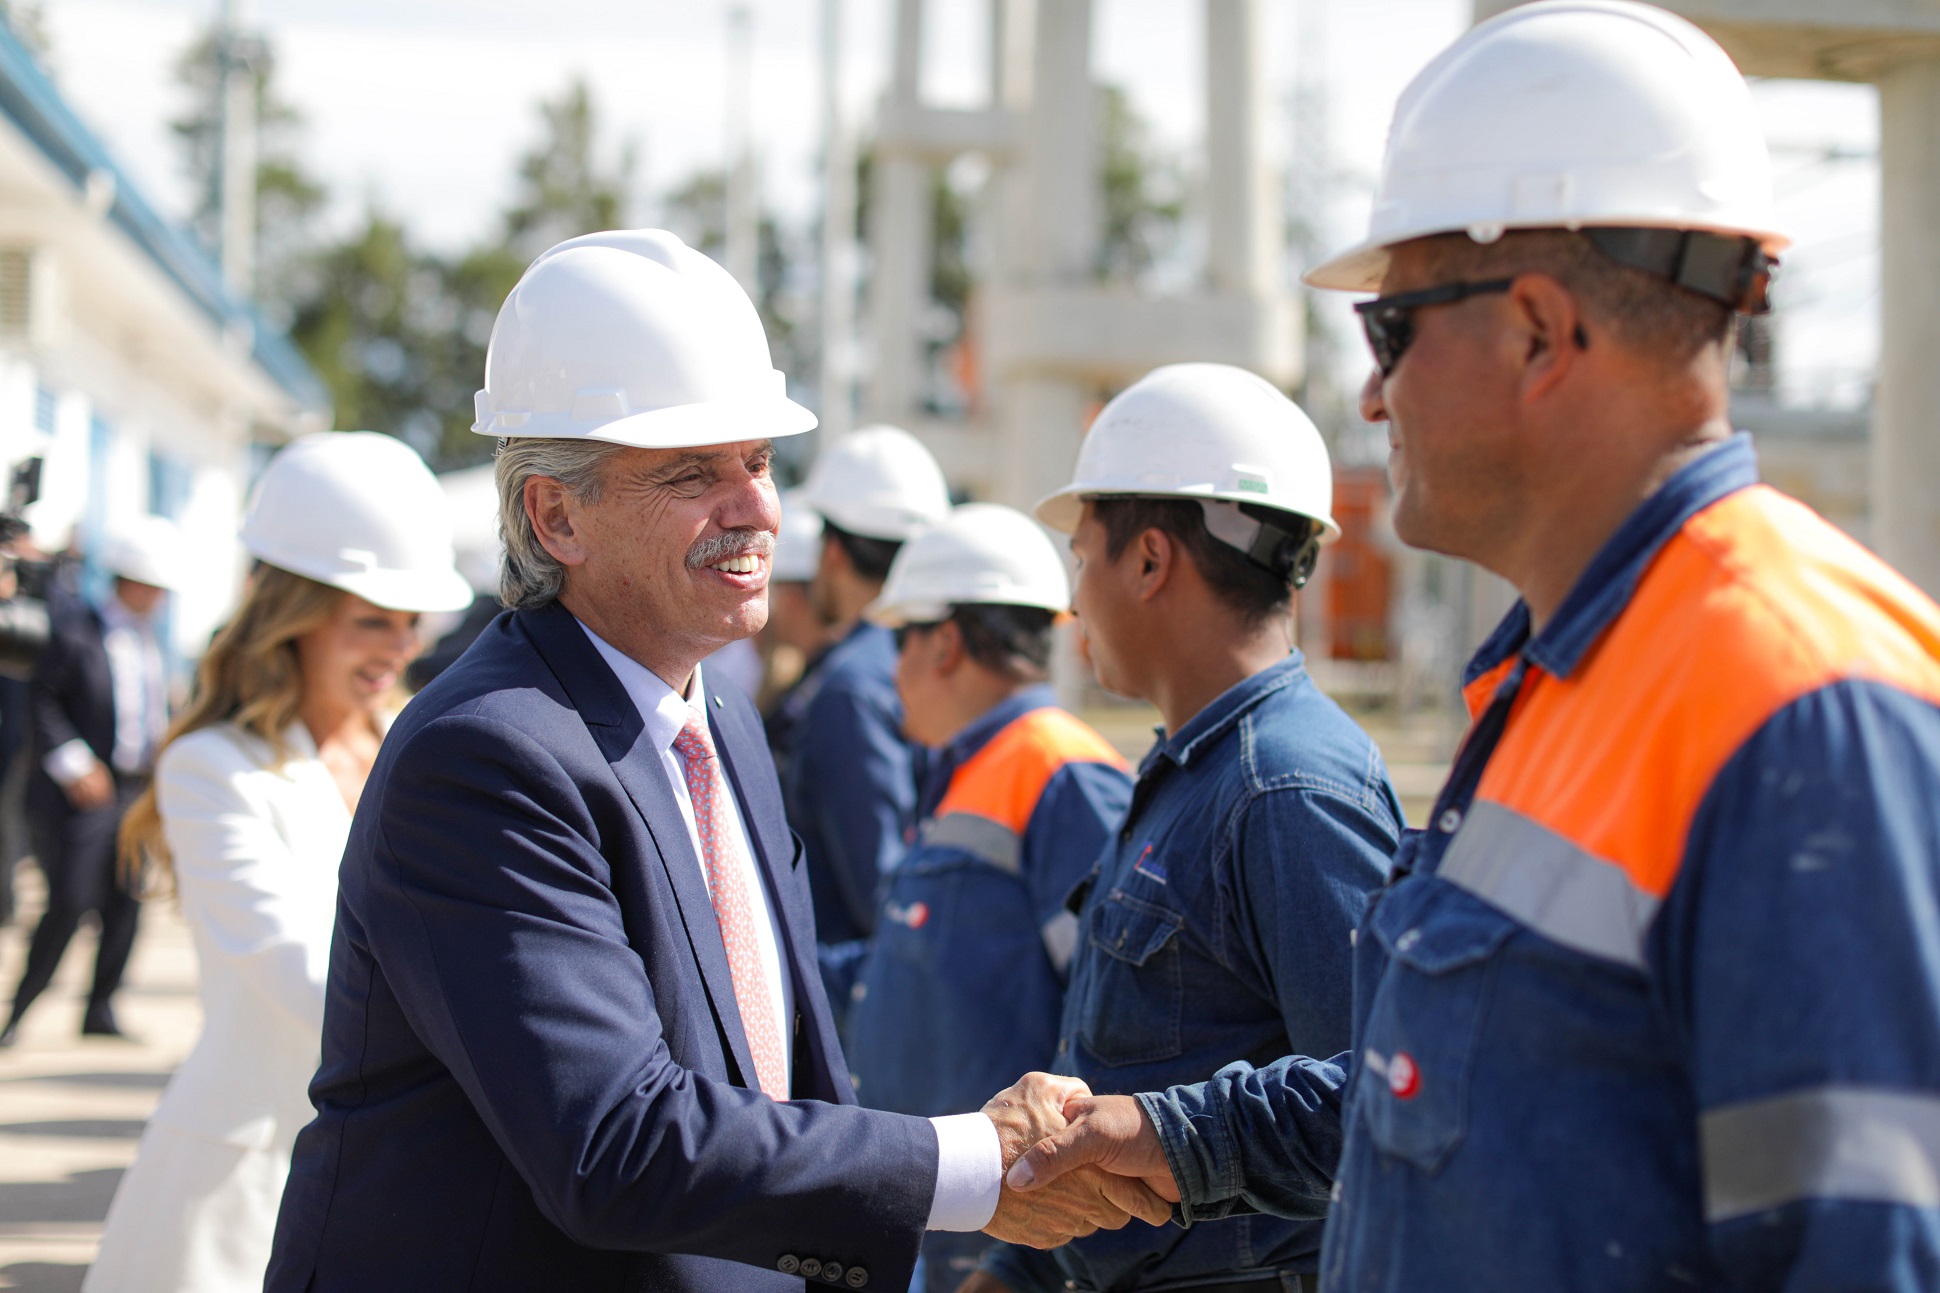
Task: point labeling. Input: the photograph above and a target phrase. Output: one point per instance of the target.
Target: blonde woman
(251, 804)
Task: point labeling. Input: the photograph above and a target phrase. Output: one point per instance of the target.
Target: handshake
(1074, 1163)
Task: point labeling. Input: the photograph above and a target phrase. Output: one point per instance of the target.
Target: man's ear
(550, 506)
(947, 651)
(1153, 557)
(1549, 332)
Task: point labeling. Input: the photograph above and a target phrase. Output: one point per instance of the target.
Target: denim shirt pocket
(1418, 1049)
(1134, 994)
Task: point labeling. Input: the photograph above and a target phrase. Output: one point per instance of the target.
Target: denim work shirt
(1217, 928)
(851, 785)
(1654, 1003)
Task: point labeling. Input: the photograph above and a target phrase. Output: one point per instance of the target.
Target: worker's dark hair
(1647, 313)
(1012, 641)
(870, 557)
(1254, 592)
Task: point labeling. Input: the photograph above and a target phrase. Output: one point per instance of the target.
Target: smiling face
(670, 561)
(355, 658)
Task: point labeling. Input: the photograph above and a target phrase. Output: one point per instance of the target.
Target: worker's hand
(93, 789)
(1086, 1202)
(983, 1282)
(1108, 1132)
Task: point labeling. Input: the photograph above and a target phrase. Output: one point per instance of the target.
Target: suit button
(857, 1277)
(831, 1272)
(788, 1264)
(811, 1268)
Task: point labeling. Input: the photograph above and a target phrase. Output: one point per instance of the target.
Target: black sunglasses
(1389, 321)
(901, 635)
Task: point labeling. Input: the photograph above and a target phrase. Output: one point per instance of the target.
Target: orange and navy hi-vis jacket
(1654, 1001)
(964, 981)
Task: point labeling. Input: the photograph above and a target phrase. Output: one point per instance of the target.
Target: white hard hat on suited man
(146, 549)
(635, 338)
(982, 554)
(358, 511)
(798, 545)
(879, 482)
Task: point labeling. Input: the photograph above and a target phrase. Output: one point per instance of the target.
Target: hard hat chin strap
(1262, 534)
(1728, 268)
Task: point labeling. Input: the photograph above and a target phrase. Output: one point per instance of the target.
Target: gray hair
(531, 576)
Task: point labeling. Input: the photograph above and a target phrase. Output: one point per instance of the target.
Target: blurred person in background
(250, 808)
(479, 566)
(99, 710)
(851, 792)
(964, 980)
(1217, 924)
(796, 635)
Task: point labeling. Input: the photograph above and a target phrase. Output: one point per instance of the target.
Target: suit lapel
(617, 727)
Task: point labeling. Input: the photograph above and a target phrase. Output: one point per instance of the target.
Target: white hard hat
(1569, 114)
(1214, 433)
(798, 547)
(878, 482)
(361, 512)
(979, 555)
(146, 549)
(635, 338)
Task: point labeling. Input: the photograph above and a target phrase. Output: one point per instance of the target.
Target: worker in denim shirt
(964, 981)
(851, 784)
(1217, 924)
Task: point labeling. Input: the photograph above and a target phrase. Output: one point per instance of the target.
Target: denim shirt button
(1450, 821)
(1407, 940)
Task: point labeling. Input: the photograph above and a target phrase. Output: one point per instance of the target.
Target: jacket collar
(1205, 728)
(1607, 584)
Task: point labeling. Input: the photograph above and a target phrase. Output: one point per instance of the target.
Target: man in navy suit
(575, 1036)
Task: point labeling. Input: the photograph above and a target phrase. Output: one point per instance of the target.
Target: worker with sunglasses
(961, 986)
(1654, 1001)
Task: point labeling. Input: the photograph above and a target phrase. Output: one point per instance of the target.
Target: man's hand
(94, 788)
(1088, 1201)
(1105, 1132)
(982, 1282)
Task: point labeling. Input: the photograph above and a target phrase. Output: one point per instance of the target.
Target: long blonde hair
(251, 677)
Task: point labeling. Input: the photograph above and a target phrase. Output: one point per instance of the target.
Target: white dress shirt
(969, 1171)
(139, 685)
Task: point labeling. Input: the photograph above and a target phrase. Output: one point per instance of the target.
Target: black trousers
(76, 852)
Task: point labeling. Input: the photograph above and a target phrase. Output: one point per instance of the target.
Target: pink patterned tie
(734, 907)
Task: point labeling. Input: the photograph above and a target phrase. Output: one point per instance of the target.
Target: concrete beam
(939, 134)
(1110, 337)
(1854, 40)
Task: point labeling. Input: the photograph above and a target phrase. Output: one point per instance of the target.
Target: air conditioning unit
(31, 306)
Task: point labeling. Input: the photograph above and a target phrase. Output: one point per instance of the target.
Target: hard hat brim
(1063, 510)
(684, 426)
(415, 591)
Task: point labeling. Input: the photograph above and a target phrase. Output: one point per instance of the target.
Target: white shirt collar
(664, 710)
(117, 616)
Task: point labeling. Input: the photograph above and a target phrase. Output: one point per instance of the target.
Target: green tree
(564, 189)
(1142, 192)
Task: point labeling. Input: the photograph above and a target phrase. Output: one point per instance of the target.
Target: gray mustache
(730, 543)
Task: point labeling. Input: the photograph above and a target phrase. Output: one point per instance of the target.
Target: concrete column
(743, 250)
(899, 243)
(1242, 199)
(1906, 418)
(837, 379)
(1060, 242)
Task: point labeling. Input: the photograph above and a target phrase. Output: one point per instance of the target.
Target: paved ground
(71, 1110)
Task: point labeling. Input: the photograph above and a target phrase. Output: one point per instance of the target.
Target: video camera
(24, 620)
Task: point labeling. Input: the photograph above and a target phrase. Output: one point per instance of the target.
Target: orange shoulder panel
(1754, 604)
(1003, 780)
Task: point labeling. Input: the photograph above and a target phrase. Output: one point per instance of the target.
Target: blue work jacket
(1217, 928)
(964, 981)
(1654, 1002)
(851, 783)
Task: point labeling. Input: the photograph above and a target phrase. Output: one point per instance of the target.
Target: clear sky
(421, 105)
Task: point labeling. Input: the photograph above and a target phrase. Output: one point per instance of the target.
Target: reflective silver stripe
(1831, 1142)
(1562, 892)
(1060, 939)
(992, 841)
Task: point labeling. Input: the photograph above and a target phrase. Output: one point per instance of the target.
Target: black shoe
(100, 1022)
(9, 1035)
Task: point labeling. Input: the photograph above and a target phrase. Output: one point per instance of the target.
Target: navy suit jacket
(534, 1073)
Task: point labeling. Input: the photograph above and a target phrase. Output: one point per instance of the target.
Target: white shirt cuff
(969, 1172)
(71, 760)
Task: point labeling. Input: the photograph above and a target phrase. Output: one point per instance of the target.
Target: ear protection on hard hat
(1279, 542)
(1733, 271)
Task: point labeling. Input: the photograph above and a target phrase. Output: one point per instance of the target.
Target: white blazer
(256, 850)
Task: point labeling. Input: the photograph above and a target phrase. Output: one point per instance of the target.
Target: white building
(125, 364)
